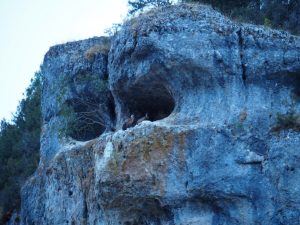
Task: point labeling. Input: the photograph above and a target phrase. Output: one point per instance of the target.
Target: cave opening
(288, 79)
(151, 99)
(296, 85)
(89, 117)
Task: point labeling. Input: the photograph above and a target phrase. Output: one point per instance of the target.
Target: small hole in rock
(98, 206)
(186, 184)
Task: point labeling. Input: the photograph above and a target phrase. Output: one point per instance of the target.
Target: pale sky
(29, 27)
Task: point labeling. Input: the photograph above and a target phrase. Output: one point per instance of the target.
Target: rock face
(75, 83)
(222, 142)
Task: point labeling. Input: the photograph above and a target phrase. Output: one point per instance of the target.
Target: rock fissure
(241, 53)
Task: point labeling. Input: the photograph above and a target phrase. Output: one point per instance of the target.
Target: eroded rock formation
(222, 142)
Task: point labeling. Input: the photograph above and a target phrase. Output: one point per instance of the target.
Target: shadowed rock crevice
(241, 50)
(89, 116)
(149, 211)
(84, 123)
(293, 80)
(147, 97)
(287, 79)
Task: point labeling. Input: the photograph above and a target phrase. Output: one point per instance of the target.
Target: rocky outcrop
(221, 143)
(76, 101)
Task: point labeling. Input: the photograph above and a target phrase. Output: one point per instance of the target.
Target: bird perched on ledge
(130, 122)
(146, 117)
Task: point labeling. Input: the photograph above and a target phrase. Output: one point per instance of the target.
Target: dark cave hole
(145, 211)
(152, 99)
(296, 84)
(89, 117)
(291, 79)
(85, 122)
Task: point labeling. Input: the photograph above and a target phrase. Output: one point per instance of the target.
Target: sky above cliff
(28, 28)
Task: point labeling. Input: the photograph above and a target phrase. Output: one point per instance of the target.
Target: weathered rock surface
(222, 143)
(75, 81)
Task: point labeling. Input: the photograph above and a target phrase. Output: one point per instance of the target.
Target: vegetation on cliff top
(277, 14)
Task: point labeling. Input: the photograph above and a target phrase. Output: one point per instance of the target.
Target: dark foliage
(139, 5)
(288, 121)
(19, 148)
(283, 14)
(278, 14)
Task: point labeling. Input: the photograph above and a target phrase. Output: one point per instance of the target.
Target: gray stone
(75, 76)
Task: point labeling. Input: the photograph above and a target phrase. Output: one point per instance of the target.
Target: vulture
(129, 122)
(146, 117)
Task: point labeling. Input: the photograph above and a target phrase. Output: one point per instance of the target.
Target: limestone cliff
(221, 145)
